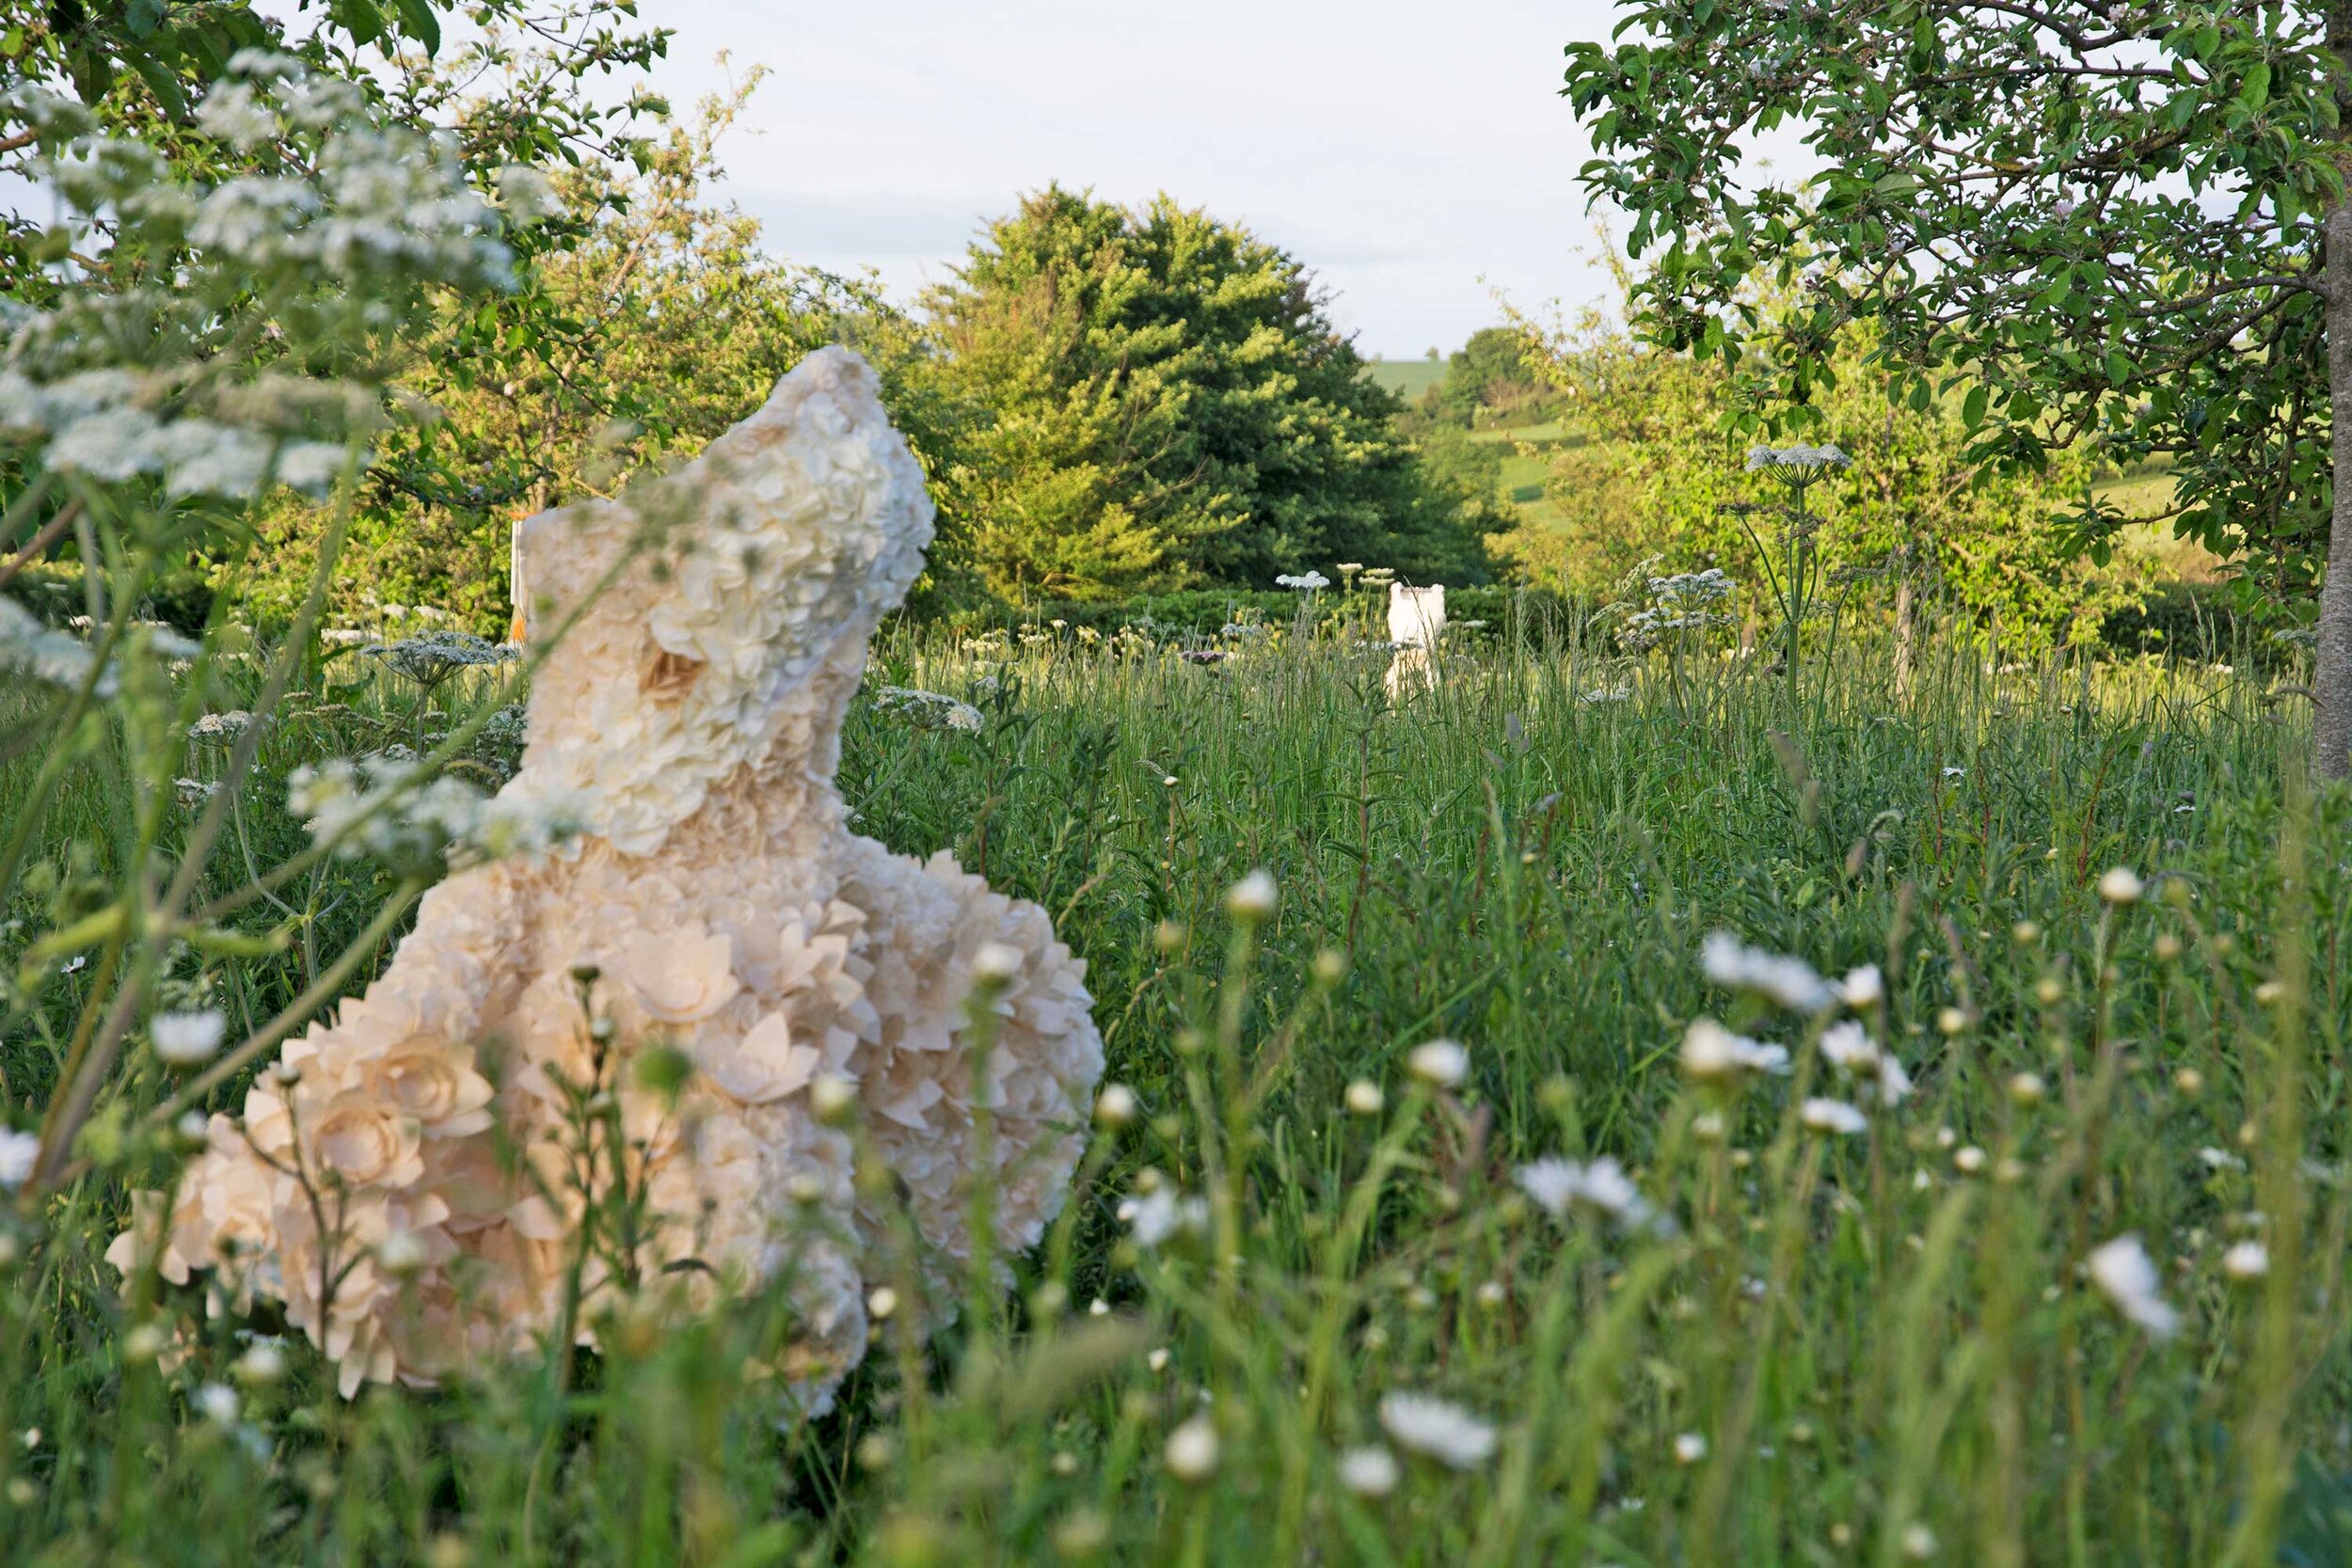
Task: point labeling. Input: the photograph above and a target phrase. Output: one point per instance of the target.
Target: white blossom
(1835, 1116)
(1161, 1214)
(17, 1152)
(1791, 982)
(1862, 986)
(1441, 1062)
(1711, 1052)
(1799, 459)
(2124, 1272)
(1369, 1472)
(186, 1040)
(1191, 1452)
(1556, 1185)
(1442, 1431)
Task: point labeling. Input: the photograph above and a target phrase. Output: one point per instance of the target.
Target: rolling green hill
(1407, 378)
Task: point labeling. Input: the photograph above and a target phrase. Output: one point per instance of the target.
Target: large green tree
(1171, 405)
(2113, 222)
(671, 322)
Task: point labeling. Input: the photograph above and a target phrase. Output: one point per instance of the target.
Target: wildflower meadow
(1757, 976)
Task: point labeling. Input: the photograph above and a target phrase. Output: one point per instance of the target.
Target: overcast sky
(1415, 155)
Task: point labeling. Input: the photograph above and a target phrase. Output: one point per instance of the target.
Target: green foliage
(1167, 406)
(2082, 221)
(671, 323)
(1664, 456)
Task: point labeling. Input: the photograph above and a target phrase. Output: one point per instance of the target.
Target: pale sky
(1417, 156)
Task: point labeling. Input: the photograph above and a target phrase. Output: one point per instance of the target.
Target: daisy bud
(1250, 901)
(1115, 1106)
(1191, 1452)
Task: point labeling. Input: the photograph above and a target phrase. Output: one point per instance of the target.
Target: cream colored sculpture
(691, 719)
(1415, 617)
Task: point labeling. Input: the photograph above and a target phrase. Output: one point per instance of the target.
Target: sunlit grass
(1844, 1347)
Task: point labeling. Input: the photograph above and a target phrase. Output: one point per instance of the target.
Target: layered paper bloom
(410, 1219)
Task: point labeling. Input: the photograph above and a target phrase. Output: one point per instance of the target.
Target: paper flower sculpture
(410, 1218)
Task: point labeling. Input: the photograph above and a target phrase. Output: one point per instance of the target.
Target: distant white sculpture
(1416, 617)
(691, 717)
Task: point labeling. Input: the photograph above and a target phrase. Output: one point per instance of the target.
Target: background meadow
(1818, 1040)
(1776, 1344)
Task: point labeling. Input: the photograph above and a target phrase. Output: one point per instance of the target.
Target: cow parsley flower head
(2127, 1276)
(1304, 582)
(1789, 462)
(1442, 1431)
(927, 710)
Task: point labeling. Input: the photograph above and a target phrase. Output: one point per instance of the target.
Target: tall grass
(1876, 1347)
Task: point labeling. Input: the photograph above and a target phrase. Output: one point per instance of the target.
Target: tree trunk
(2331, 726)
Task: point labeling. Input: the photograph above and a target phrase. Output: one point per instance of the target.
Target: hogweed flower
(1796, 465)
(927, 710)
(431, 658)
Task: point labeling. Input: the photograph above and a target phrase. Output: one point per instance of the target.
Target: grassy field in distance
(1407, 378)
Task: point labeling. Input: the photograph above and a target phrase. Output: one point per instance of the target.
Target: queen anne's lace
(691, 719)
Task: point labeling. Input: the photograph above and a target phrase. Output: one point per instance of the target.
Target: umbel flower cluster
(341, 220)
(411, 1218)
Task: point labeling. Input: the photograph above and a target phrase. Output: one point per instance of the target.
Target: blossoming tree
(2090, 221)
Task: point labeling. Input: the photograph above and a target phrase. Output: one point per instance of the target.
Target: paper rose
(716, 903)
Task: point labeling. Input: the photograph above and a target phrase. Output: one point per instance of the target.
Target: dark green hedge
(52, 591)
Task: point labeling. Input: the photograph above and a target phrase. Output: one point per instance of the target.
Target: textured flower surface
(715, 901)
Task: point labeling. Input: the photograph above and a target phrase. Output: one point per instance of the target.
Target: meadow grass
(1783, 1345)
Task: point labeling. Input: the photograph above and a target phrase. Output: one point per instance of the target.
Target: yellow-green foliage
(1660, 462)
